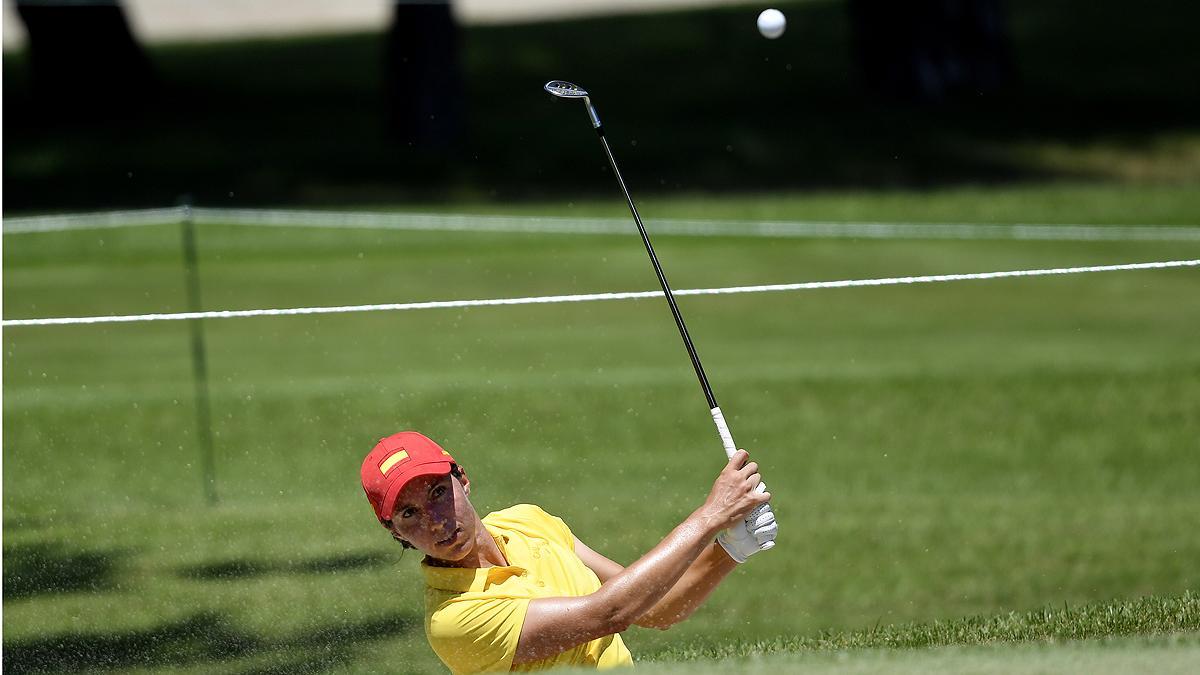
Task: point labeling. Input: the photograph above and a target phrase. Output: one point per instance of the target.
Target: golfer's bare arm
(553, 625)
(703, 576)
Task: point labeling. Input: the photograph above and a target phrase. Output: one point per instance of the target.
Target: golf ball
(771, 23)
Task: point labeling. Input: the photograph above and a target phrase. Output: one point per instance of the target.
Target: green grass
(1149, 616)
(1157, 633)
(936, 452)
(1171, 654)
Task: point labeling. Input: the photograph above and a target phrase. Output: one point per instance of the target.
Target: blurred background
(947, 459)
(136, 103)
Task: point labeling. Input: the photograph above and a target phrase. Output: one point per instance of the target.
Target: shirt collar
(462, 579)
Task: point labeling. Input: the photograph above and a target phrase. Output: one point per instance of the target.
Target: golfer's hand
(749, 536)
(735, 493)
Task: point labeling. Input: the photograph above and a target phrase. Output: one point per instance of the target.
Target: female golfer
(515, 590)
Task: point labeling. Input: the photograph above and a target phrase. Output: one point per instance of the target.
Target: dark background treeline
(856, 94)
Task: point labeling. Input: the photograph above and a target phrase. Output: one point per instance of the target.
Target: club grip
(730, 448)
(723, 432)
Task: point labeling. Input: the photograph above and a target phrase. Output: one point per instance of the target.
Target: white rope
(695, 228)
(92, 221)
(562, 225)
(549, 299)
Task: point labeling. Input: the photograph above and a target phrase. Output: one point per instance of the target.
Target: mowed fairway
(936, 451)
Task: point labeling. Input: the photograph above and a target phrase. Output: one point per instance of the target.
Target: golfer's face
(433, 514)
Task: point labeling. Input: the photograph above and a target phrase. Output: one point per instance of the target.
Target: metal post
(199, 362)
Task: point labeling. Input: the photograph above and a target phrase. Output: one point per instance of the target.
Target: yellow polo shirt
(473, 617)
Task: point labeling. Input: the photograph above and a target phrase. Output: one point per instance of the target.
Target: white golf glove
(750, 536)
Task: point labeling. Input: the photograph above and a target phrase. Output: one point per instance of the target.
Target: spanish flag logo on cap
(393, 460)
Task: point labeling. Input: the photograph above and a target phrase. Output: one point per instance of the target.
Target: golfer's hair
(454, 471)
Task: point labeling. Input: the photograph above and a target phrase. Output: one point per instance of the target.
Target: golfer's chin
(452, 548)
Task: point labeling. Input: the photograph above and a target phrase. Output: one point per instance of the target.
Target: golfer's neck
(488, 551)
(485, 552)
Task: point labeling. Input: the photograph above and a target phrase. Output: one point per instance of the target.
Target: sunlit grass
(937, 452)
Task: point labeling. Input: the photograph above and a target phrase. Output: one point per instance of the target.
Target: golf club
(567, 90)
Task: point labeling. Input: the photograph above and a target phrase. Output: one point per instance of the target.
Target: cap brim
(388, 507)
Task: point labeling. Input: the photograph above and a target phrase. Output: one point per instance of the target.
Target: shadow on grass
(329, 646)
(24, 522)
(42, 569)
(200, 639)
(245, 569)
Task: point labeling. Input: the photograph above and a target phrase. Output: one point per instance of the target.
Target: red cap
(394, 461)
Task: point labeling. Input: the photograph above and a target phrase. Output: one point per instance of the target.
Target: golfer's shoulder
(533, 521)
(521, 514)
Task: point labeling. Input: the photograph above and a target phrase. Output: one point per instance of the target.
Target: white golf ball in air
(771, 23)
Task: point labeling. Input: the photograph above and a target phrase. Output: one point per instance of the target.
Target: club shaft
(759, 514)
(662, 279)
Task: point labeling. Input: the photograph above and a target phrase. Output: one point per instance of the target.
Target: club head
(563, 89)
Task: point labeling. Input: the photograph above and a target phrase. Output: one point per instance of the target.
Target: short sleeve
(477, 635)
